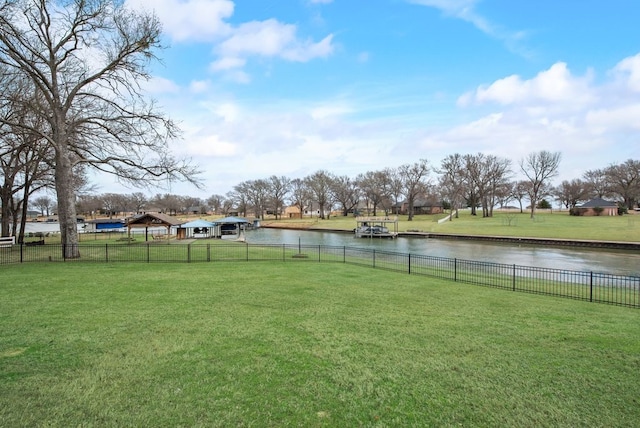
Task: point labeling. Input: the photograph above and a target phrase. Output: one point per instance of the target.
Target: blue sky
(289, 87)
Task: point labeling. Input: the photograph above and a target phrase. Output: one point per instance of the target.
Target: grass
(257, 344)
(545, 225)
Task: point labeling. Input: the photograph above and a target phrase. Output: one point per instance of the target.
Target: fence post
(189, 253)
(374, 258)
(106, 252)
(148, 255)
(319, 260)
(344, 254)
(21, 252)
(283, 252)
(247, 250)
(208, 252)
(591, 286)
(409, 263)
(455, 269)
(64, 252)
(514, 277)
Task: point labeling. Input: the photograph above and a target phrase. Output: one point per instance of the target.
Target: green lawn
(544, 225)
(275, 344)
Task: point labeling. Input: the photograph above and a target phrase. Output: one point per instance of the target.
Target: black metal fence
(589, 286)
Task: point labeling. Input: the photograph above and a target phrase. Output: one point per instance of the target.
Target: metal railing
(588, 286)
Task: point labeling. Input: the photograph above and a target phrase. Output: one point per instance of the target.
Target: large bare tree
(319, 186)
(345, 191)
(278, 188)
(452, 181)
(624, 181)
(85, 60)
(539, 168)
(414, 182)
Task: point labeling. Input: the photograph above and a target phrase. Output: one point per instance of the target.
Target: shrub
(576, 211)
(544, 204)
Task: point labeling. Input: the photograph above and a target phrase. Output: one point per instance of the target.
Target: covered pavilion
(197, 229)
(152, 220)
(230, 225)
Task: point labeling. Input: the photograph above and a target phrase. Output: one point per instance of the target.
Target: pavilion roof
(231, 220)
(153, 219)
(197, 223)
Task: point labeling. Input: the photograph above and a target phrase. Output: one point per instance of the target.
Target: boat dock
(376, 227)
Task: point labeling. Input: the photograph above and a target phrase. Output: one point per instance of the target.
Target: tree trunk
(410, 218)
(25, 208)
(14, 216)
(5, 214)
(66, 204)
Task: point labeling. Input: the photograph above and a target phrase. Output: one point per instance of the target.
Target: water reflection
(579, 259)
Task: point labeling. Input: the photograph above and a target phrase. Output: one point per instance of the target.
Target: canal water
(579, 259)
(570, 258)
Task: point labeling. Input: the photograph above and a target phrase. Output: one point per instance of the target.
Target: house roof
(153, 219)
(419, 202)
(598, 202)
(197, 223)
(230, 220)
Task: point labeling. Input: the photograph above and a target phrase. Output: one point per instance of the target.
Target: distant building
(420, 206)
(595, 207)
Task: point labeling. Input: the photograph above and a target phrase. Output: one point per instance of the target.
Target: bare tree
(519, 191)
(168, 203)
(299, 194)
(319, 186)
(23, 172)
(111, 203)
(138, 202)
(89, 204)
(452, 181)
(278, 189)
(238, 200)
(624, 181)
(43, 204)
(569, 193)
(375, 188)
(596, 182)
(216, 202)
(413, 182)
(539, 168)
(485, 176)
(255, 193)
(85, 60)
(345, 191)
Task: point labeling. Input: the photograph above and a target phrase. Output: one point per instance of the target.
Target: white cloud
(209, 146)
(160, 85)
(555, 85)
(228, 111)
(465, 10)
(228, 63)
(199, 86)
(271, 38)
(207, 21)
(329, 110)
(629, 70)
(199, 20)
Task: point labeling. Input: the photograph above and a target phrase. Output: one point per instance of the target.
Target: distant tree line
(476, 181)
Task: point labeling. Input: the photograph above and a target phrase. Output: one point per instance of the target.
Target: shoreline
(583, 243)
